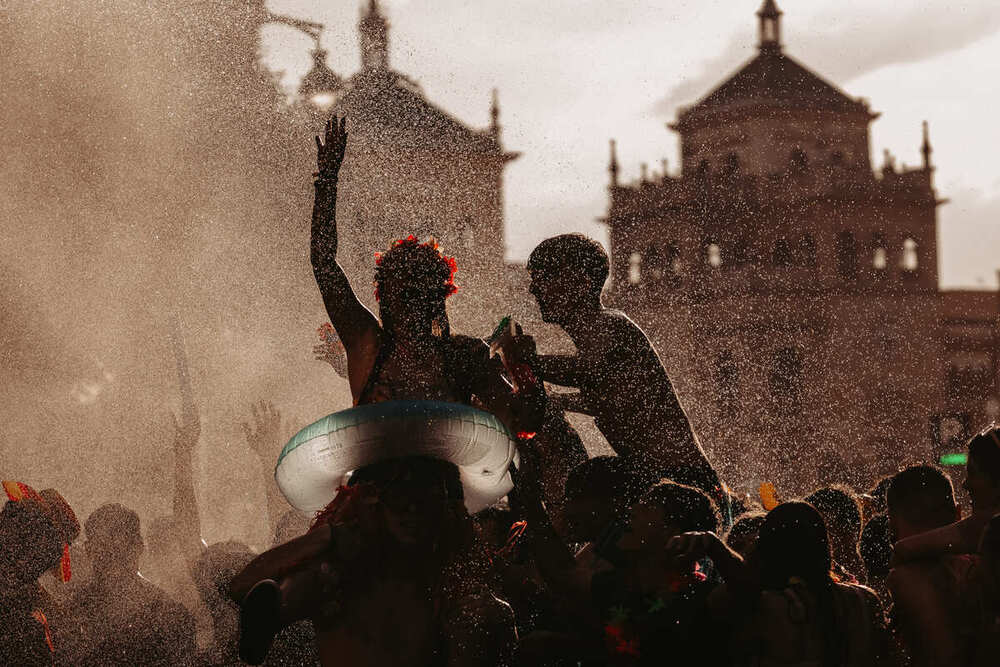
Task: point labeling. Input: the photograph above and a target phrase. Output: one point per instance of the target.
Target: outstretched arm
(559, 369)
(349, 317)
(185, 504)
(263, 436)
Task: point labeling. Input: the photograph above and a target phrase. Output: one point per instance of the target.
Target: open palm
(330, 150)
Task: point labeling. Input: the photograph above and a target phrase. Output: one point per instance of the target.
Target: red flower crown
(444, 270)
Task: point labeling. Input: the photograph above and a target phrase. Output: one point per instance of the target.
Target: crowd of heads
(796, 566)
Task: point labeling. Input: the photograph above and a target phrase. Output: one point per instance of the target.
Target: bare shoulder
(480, 629)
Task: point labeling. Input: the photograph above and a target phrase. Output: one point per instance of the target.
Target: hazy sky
(574, 73)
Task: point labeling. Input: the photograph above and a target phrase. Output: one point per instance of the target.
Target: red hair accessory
(55, 508)
(412, 243)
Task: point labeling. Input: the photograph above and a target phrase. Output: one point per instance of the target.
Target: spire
(321, 85)
(770, 27)
(374, 33)
(925, 148)
(613, 164)
(495, 114)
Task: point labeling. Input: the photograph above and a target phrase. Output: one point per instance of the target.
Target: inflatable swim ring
(319, 458)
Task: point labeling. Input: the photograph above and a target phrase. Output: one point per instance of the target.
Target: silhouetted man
(622, 382)
(925, 592)
(120, 618)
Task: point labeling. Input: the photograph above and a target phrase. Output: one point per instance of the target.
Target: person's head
(421, 498)
(215, 568)
(742, 537)
(982, 479)
(842, 513)
(598, 491)
(873, 501)
(793, 542)
(920, 498)
(113, 541)
(876, 548)
(412, 281)
(32, 536)
(568, 273)
(665, 511)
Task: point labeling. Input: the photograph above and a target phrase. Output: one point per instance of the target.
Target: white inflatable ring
(318, 459)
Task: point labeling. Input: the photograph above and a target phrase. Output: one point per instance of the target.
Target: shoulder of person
(476, 615)
(864, 599)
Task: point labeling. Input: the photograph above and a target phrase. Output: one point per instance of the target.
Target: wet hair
(922, 496)
(421, 265)
(793, 543)
(876, 547)
(609, 476)
(839, 506)
(877, 494)
(984, 449)
(684, 507)
(748, 524)
(115, 522)
(572, 251)
(115, 528)
(416, 468)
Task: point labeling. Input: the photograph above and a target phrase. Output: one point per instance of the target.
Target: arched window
(726, 380)
(910, 260)
(880, 255)
(732, 163)
(782, 255)
(654, 263)
(741, 253)
(713, 255)
(847, 255)
(798, 159)
(786, 378)
(807, 251)
(635, 268)
(674, 264)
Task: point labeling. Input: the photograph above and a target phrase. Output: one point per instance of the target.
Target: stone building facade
(792, 289)
(412, 168)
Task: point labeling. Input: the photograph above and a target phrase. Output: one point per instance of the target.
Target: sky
(572, 74)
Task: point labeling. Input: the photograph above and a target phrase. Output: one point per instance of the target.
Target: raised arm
(349, 316)
(263, 434)
(187, 521)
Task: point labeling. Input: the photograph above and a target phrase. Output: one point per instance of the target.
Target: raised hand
(330, 151)
(331, 350)
(263, 432)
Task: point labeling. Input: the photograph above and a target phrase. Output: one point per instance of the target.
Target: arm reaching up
(187, 431)
(349, 317)
(263, 436)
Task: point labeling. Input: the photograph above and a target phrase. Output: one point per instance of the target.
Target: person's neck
(117, 577)
(413, 338)
(581, 322)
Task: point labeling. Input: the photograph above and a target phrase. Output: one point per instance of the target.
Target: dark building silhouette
(793, 290)
(414, 169)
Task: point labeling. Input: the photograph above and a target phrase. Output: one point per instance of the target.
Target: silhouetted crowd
(626, 572)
